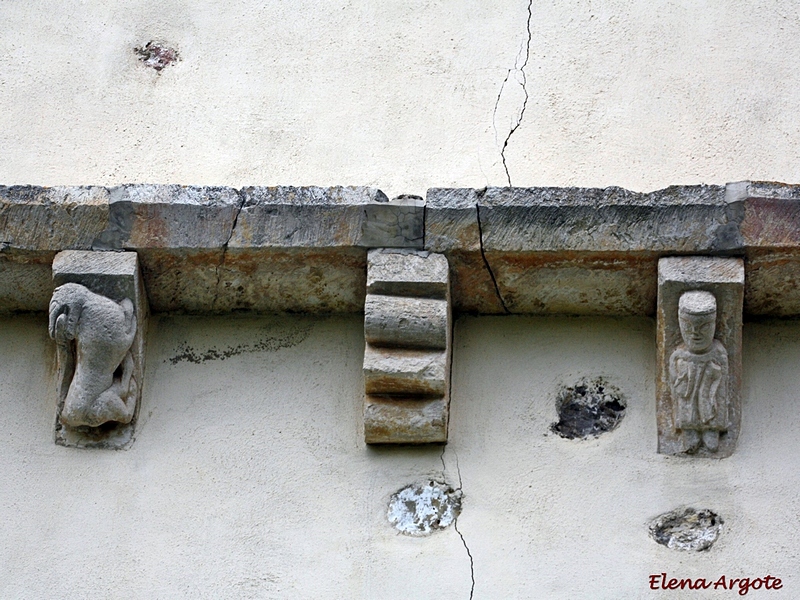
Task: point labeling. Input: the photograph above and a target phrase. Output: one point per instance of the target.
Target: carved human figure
(698, 375)
(94, 336)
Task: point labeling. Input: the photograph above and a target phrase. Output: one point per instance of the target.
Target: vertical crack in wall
(519, 75)
(218, 268)
(486, 262)
(459, 489)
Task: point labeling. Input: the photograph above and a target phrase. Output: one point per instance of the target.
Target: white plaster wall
(249, 477)
(402, 95)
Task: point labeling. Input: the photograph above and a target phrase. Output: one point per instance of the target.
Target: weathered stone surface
(687, 529)
(26, 281)
(310, 217)
(406, 322)
(392, 420)
(169, 216)
(593, 251)
(98, 317)
(518, 250)
(51, 219)
(405, 371)
(676, 219)
(407, 273)
(771, 230)
(452, 228)
(407, 351)
(588, 409)
(422, 508)
(399, 223)
(699, 369)
(576, 283)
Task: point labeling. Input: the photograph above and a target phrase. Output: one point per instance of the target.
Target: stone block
(405, 371)
(98, 318)
(52, 219)
(389, 420)
(407, 273)
(399, 223)
(406, 322)
(303, 217)
(699, 353)
(407, 353)
(452, 228)
(169, 216)
(587, 251)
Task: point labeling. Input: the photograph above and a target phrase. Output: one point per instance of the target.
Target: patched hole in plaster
(687, 529)
(157, 55)
(421, 508)
(588, 409)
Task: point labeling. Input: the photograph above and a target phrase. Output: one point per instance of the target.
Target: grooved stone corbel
(407, 329)
(699, 337)
(98, 320)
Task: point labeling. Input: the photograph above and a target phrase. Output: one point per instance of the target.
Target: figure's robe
(699, 384)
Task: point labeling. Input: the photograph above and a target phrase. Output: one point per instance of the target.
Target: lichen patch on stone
(686, 529)
(588, 409)
(157, 55)
(419, 509)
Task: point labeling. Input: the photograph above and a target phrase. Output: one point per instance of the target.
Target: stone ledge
(517, 250)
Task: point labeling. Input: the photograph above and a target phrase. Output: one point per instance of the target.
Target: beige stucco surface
(400, 95)
(249, 477)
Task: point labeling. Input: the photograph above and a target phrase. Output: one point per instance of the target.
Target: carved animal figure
(94, 336)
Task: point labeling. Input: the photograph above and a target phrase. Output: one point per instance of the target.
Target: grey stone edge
(510, 250)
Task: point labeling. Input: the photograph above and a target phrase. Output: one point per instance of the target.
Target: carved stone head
(697, 316)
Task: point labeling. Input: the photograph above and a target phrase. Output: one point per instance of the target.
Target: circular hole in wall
(588, 409)
(686, 529)
(421, 508)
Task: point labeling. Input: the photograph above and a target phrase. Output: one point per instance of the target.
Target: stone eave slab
(303, 249)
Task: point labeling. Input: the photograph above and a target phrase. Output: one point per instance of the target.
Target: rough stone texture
(52, 219)
(406, 322)
(168, 216)
(588, 409)
(452, 228)
(398, 420)
(114, 276)
(771, 230)
(403, 371)
(687, 529)
(303, 249)
(724, 278)
(35, 223)
(593, 251)
(407, 273)
(399, 223)
(311, 217)
(407, 328)
(422, 508)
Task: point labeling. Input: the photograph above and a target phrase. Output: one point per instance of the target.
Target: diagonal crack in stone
(486, 262)
(218, 268)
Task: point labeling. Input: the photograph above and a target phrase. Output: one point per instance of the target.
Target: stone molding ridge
(539, 250)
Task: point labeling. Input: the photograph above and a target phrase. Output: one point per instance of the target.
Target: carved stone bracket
(699, 355)
(98, 319)
(407, 326)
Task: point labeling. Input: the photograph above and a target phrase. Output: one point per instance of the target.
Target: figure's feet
(691, 440)
(711, 440)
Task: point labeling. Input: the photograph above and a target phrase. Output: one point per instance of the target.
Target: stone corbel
(407, 327)
(699, 355)
(98, 320)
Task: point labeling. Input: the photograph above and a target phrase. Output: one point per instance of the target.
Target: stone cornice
(517, 250)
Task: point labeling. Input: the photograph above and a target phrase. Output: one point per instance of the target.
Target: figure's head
(697, 316)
